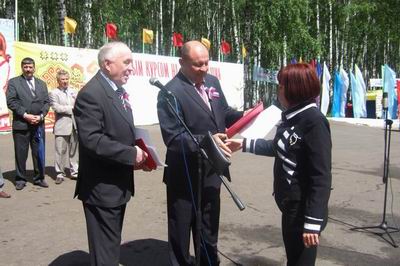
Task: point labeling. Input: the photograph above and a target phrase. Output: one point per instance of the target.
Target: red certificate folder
(150, 163)
(242, 122)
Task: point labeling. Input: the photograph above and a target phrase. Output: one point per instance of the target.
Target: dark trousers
(22, 140)
(292, 230)
(182, 220)
(104, 227)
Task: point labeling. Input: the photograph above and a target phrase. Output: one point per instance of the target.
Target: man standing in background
(62, 100)
(28, 99)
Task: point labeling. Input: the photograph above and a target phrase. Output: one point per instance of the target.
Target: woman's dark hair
(299, 82)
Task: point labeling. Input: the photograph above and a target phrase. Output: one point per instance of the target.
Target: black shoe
(19, 186)
(41, 183)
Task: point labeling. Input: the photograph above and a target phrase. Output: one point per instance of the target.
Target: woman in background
(302, 168)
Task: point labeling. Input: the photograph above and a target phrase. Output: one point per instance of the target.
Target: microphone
(155, 82)
(385, 101)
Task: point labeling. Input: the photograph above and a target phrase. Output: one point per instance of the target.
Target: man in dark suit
(28, 99)
(107, 152)
(203, 107)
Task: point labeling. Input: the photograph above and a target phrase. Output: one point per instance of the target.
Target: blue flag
(389, 83)
(337, 90)
(319, 69)
(356, 98)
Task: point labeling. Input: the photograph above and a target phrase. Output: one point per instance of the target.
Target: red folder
(150, 163)
(246, 119)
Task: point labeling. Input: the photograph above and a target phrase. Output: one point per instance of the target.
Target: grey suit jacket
(20, 100)
(62, 104)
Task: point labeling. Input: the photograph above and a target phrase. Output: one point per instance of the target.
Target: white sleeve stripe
(253, 149)
(313, 227)
(248, 141)
(312, 218)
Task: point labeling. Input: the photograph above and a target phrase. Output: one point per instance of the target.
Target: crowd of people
(99, 118)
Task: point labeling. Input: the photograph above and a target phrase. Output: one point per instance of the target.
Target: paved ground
(46, 226)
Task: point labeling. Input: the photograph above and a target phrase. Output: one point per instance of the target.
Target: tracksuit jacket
(302, 169)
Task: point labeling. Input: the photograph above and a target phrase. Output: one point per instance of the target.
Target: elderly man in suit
(203, 107)
(28, 99)
(107, 152)
(62, 100)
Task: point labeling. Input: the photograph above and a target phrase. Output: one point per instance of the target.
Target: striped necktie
(124, 97)
(31, 87)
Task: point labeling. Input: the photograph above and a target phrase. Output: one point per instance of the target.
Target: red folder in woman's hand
(244, 120)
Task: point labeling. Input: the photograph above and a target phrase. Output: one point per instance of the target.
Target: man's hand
(219, 139)
(32, 119)
(234, 144)
(141, 156)
(310, 239)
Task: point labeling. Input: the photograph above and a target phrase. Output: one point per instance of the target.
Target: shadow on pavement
(49, 171)
(142, 252)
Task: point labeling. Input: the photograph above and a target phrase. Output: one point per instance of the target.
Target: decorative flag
(225, 47)
(356, 96)
(362, 90)
(326, 77)
(300, 60)
(389, 79)
(177, 39)
(293, 61)
(147, 36)
(69, 25)
(337, 89)
(111, 31)
(244, 51)
(319, 69)
(206, 43)
(345, 86)
(398, 94)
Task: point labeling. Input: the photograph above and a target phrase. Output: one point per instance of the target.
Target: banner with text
(6, 67)
(82, 65)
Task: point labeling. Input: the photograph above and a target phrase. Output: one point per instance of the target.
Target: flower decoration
(212, 93)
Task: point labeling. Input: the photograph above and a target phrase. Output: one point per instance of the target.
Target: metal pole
(16, 21)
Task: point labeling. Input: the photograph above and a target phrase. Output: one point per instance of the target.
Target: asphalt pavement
(46, 226)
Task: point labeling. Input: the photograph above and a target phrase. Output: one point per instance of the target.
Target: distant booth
(374, 98)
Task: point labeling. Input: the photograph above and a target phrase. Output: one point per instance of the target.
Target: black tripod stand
(383, 225)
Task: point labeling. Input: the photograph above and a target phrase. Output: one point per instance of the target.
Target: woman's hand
(310, 239)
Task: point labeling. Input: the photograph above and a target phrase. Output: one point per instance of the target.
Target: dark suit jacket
(106, 146)
(199, 119)
(20, 100)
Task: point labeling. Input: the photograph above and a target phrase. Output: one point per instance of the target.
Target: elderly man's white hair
(108, 51)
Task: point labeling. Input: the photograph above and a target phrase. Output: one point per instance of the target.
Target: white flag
(345, 87)
(362, 91)
(326, 77)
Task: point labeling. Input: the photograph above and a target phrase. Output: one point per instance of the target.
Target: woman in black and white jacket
(302, 170)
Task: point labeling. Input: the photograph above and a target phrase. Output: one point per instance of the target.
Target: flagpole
(16, 21)
(142, 47)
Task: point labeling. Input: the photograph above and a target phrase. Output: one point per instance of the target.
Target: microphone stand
(200, 156)
(383, 225)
